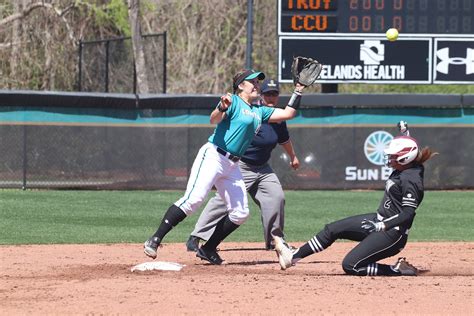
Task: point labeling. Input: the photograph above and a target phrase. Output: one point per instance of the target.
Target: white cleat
(285, 255)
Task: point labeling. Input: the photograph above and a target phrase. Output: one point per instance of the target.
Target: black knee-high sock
(303, 252)
(173, 217)
(315, 244)
(223, 229)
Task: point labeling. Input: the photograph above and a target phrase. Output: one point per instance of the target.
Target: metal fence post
(164, 62)
(134, 78)
(79, 79)
(248, 59)
(107, 66)
(25, 163)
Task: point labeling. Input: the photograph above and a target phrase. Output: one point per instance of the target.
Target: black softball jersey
(403, 194)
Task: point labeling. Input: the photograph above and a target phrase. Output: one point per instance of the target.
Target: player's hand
(372, 226)
(295, 163)
(226, 101)
(299, 87)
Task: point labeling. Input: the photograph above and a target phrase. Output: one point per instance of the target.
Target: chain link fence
(108, 65)
(97, 157)
(160, 157)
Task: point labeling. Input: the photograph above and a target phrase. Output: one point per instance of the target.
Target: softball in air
(392, 34)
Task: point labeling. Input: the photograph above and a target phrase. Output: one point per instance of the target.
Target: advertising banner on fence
(454, 61)
(362, 60)
(352, 157)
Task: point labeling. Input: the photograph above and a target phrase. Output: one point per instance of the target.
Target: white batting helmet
(402, 149)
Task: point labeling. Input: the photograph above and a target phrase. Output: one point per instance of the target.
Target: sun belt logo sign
(374, 146)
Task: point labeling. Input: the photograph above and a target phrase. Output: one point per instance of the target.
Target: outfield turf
(49, 217)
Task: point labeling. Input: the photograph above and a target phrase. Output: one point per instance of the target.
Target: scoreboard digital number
(444, 17)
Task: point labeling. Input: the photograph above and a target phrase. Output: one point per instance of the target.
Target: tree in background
(205, 47)
(137, 46)
(206, 42)
(39, 39)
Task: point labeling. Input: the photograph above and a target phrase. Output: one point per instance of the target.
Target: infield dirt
(96, 279)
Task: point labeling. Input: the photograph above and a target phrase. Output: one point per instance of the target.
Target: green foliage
(50, 217)
(113, 14)
(148, 6)
(36, 76)
(118, 13)
(6, 9)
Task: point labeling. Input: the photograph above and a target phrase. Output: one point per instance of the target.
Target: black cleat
(405, 268)
(193, 243)
(151, 247)
(210, 255)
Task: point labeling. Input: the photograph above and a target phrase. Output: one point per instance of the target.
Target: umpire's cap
(270, 85)
(246, 74)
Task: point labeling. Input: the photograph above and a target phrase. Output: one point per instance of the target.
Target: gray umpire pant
(265, 189)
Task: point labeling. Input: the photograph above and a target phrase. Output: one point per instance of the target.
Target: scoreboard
(446, 17)
(348, 37)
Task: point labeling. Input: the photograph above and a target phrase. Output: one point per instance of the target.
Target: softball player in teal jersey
(237, 119)
(261, 182)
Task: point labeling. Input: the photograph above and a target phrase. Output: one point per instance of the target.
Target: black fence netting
(161, 158)
(96, 157)
(92, 67)
(99, 141)
(108, 65)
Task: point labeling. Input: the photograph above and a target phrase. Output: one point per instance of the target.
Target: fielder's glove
(305, 70)
(372, 226)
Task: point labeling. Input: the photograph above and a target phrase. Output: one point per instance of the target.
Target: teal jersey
(242, 121)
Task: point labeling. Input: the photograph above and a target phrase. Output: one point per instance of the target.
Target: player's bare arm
(280, 115)
(294, 161)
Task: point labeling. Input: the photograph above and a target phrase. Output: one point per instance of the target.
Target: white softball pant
(212, 168)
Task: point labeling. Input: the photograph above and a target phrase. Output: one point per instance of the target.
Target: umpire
(261, 181)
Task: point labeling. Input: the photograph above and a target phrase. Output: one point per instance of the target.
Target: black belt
(228, 155)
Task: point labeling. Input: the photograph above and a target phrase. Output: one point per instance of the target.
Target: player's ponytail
(425, 154)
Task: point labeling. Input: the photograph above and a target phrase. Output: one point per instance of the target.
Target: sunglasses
(271, 93)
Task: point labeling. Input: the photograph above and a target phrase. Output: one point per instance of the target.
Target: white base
(157, 265)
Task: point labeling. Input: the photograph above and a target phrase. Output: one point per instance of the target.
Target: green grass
(49, 217)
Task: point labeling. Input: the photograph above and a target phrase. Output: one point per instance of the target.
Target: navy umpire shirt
(264, 142)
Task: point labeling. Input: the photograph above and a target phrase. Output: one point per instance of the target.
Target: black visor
(248, 74)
